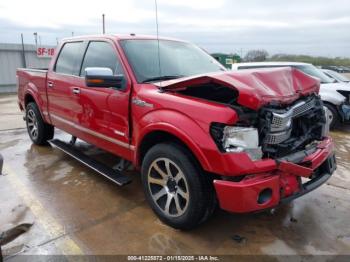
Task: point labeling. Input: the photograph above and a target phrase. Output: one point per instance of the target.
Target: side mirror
(102, 77)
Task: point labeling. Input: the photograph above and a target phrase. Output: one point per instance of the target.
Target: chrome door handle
(76, 90)
(50, 84)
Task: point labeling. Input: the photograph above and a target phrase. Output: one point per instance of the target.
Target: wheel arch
(334, 106)
(28, 98)
(164, 135)
(31, 96)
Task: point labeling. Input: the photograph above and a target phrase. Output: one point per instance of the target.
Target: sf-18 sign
(45, 51)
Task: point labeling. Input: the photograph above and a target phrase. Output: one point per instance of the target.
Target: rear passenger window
(70, 58)
(101, 54)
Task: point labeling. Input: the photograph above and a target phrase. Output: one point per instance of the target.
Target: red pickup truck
(200, 135)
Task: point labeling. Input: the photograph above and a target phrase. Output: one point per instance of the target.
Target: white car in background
(336, 76)
(335, 95)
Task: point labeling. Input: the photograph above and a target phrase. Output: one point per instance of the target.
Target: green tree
(258, 55)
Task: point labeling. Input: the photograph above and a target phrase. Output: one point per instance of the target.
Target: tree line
(260, 55)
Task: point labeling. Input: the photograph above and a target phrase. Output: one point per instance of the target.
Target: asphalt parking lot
(75, 211)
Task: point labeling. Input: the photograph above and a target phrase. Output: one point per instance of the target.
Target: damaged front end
(285, 130)
(279, 139)
(290, 149)
(275, 131)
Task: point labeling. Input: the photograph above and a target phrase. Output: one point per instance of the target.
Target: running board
(113, 175)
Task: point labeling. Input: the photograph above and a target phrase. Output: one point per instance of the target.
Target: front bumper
(278, 181)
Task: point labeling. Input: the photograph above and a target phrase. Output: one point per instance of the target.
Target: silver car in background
(336, 76)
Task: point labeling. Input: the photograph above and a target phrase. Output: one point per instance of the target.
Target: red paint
(99, 113)
(283, 85)
(289, 184)
(45, 52)
(295, 169)
(325, 148)
(241, 197)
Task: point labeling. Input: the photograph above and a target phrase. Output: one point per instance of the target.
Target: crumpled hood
(256, 87)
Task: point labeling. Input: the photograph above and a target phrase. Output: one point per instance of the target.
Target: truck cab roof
(119, 37)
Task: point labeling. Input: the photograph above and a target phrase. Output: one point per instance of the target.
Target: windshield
(313, 71)
(177, 59)
(338, 76)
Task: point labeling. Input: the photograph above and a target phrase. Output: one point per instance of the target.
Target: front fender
(194, 136)
(331, 96)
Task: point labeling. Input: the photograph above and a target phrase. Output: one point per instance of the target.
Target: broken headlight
(235, 139)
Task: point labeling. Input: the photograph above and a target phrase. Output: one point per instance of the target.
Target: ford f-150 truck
(199, 135)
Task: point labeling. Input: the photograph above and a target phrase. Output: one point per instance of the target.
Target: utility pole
(1, 165)
(103, 24)
(23, 54)
(36, 39)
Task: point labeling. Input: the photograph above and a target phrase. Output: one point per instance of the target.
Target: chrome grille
(303, 107)
(276, 138)
(281, 123)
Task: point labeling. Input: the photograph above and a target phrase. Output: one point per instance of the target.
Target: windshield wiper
(162, 78)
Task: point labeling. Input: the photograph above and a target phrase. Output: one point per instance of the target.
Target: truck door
(105, 111)
(63, 83)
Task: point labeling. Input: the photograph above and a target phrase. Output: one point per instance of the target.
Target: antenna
(36, 39)
(103, 24)
(160, 70)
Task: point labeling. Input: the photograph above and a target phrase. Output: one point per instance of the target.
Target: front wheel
(39, 131)
(333, 116)
(176, 189)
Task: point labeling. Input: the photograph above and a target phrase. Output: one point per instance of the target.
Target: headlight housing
(346, 94)
(237, 139)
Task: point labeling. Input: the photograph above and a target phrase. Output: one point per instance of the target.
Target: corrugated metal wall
(11, 59)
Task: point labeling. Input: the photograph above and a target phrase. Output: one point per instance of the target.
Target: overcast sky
(315, 27)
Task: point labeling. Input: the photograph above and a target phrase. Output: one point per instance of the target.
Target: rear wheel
(333, 116)
(39, 132)
(176, 189)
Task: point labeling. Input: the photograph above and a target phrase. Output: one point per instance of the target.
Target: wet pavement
(76, 211)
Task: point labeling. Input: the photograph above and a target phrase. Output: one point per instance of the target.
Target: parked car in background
(345, 69)
(338, 69)
(335, 96)
(198, 134)
(336, 76)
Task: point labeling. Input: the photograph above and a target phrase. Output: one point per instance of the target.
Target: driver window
(101, 54)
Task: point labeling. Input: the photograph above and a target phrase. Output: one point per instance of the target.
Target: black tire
(199, 192)
(43, 131)
(335, 120)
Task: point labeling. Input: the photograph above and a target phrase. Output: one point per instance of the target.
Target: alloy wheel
(32, 124)
(168, 187)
